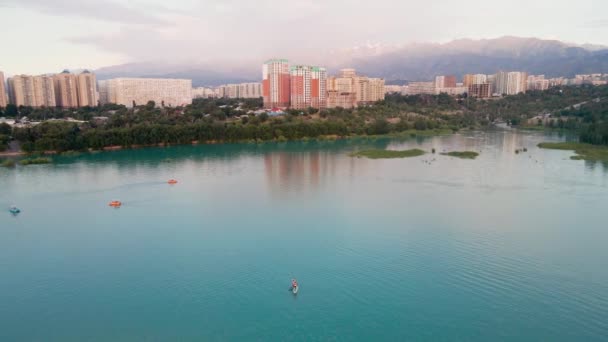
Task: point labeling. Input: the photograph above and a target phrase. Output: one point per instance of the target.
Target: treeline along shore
(583, 109)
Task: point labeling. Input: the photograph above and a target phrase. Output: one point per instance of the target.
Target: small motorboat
(294, 286)
(14, 210)
(115, 204)
(172, 181)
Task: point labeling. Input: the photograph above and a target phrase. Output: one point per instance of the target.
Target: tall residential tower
(33, 91)
(276, 88)
(66, 90)
(308, 87)
(86, 89)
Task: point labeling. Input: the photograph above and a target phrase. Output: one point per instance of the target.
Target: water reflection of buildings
(298, 172)
(287, 172)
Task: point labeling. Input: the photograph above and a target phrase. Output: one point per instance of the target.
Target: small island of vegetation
(583, 151)
(7, 163)
(35, 161)
(462, 154)
(383, 154)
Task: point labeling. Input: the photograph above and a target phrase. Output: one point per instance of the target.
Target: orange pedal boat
(115, 204)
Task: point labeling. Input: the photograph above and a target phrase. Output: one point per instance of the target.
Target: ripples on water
(504, 247)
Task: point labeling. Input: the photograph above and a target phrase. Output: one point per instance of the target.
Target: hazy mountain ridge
(419, 61)
(535, 56)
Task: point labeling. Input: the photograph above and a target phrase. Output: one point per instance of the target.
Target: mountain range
(412, 62)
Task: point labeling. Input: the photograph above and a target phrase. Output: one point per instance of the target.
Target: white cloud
(244, 31)
(104, 10)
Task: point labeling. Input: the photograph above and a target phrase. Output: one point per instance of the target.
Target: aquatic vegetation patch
(382, 154)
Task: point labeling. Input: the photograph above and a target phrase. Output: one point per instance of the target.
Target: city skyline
(93, 34)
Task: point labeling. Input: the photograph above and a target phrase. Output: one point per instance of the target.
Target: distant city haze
(44, 36)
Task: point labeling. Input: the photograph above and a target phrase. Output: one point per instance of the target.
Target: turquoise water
(505, 247)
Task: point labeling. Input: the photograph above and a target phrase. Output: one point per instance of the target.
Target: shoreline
(395, 135)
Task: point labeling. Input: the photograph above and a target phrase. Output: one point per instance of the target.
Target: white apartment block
(537, 82)
(453, 91)
(250, 90)
(510, 83)
(242, 90)
(138, 91)
(204, 93)
(417, 88)
(440, 81)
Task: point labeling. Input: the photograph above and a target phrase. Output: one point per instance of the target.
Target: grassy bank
(382, 154)
(462, 154)
(583, 151)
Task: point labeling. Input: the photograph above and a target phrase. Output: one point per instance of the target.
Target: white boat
(294, 289)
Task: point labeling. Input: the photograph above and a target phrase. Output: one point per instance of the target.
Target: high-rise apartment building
(481, 90)
(44, 91)
(103, 89)
(361, 86)
(510, 83)
(470, 79)
(318, 84)
(276, 83)
(33, 91)
(3, 101)
(308, 87)
(537, 82)
(445, 81)
(138, 91)
(250, 90)
(242, 90)
(86, 85)
(197, 93)
(517, 82)
(17, 91)
(229, 91)
(376, 90)
(366, 90)
(341, 84)
(66, 90)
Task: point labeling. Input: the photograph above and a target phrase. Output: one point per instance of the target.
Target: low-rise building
(418, 88)
(337, 98)
(453, 91)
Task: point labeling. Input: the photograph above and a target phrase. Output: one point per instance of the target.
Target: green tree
(5, 128)
(11, 110)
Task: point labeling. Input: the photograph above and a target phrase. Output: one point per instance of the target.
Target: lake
(506, 247)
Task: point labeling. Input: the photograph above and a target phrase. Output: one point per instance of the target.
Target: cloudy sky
(49, 35)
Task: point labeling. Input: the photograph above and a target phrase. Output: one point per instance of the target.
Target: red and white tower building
(276, 88)
(308, 87)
